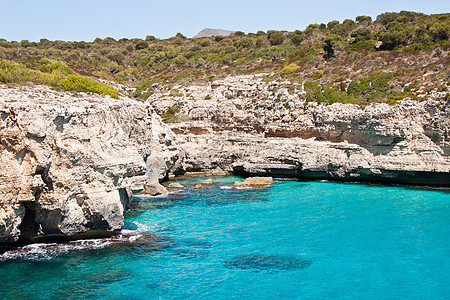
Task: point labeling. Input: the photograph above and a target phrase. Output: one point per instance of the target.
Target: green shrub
(289, 69)
(363, 20)
(141, 45)
(362, 34)
(85, 84)
(297, 39)
(276, 38)
(397, 34)
(332, 41)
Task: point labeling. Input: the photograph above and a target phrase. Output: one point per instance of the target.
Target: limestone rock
(253, 182)
(175, 185)
(259, 128)
(207, 182)
(218, 172)
(70, 163)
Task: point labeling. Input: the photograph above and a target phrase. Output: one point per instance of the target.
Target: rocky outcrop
(69, 163)
(252, 127)
(253, 182)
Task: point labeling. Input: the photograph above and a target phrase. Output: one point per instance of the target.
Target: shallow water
(304, 240)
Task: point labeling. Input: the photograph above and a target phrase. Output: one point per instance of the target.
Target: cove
(293, 240)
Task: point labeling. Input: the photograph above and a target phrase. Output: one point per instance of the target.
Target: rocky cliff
(254, 127)
(69, 163)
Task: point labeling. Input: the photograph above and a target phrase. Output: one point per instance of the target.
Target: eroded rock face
(259, 128)
(69, 163)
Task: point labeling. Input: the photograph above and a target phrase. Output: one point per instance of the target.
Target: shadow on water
(191, 248)
(215, 194)
(270, 262)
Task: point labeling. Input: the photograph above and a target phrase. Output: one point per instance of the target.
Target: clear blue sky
(88, 19)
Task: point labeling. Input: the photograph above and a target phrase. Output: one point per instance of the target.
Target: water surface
(293, 240)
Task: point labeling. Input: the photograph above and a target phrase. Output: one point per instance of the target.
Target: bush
(180, 35)
(362, 34)
(289, 69)
(439, 31)
(276, 39)
(332, 24)
(332, 42)
(141, 45)
(244, 43)
(363, 20)
(297, 39)
(85, 84)
(397, 34)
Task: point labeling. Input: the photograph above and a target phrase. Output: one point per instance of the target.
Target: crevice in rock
(43, 171)
(28, 227)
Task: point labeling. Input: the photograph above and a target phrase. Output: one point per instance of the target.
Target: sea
(290, 240)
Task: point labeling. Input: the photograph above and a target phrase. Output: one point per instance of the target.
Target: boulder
(175, 185)
(253, 182)
(218, 172)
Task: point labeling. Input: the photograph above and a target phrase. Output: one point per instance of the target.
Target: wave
(46, 251)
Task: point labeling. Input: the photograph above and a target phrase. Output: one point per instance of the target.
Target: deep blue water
(293, 240)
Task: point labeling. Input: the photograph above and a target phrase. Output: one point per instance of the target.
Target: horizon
(86, 21)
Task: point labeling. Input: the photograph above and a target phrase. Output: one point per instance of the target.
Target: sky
(85, 20)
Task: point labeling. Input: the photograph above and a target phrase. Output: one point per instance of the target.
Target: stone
(198, 186)
(218, 172)
(175, 185)
(253, 182)
(207, 182)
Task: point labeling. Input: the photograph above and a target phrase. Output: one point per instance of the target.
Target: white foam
(50, 250)
(227, 187)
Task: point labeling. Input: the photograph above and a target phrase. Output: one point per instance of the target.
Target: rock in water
(71, 162)
(253, 182)
(267, 262)
(175, 185)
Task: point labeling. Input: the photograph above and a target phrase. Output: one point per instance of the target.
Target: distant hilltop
(208, 32)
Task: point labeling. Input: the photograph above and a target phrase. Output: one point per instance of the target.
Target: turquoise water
(293, 240)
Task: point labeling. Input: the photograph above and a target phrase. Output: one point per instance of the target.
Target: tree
(180, 35)
(397, 34)
(332, 43)
(332, 24)
(363, 20)
(362, 34)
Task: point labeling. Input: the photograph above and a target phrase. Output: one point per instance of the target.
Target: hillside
(397, 56)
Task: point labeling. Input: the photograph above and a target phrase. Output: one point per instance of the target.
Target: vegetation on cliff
(397, 56)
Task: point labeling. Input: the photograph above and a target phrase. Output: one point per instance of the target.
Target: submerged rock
(253, 182)
(267, 262)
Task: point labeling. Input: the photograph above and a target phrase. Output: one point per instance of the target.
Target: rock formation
(252, 127)
(208, 32)
(71, 162)
(253, 182)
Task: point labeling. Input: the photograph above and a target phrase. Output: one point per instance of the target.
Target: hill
(400, 55)
(208, 32)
